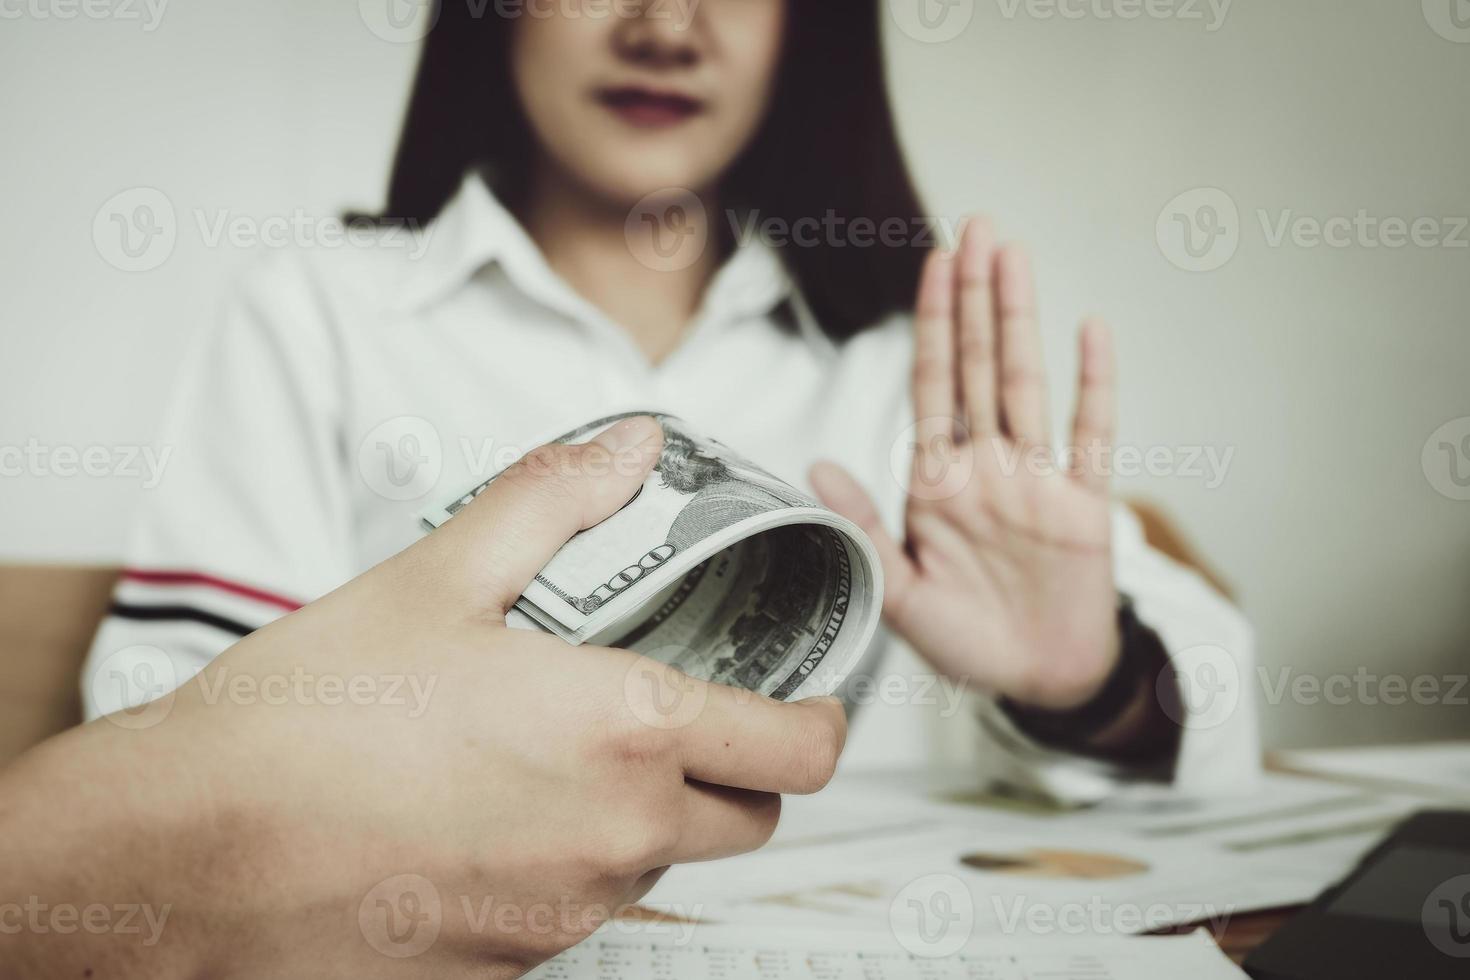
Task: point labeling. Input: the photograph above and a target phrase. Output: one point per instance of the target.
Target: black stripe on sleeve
(179, 614)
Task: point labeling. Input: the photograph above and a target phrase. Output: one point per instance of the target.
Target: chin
(625, 180)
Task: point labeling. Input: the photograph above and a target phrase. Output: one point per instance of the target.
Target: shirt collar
(472, 231)
(476, 230)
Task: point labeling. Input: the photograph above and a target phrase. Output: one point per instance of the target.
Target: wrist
(1081, 688)
(1123, 719)
(1053, 688)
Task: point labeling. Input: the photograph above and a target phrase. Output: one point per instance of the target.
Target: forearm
(47, 616)
(99, 858)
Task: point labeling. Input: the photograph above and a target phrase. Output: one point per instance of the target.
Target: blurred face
(629, 97)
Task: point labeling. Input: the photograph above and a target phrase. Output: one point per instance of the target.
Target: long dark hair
(827, 149)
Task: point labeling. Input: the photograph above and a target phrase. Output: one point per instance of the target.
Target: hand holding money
(538, 788)
(715, 567)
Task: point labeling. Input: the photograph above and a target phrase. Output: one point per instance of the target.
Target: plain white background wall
(1322, 370)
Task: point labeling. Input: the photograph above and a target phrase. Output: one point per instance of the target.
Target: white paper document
(1438, 769)
(789, 954)
(852, 855)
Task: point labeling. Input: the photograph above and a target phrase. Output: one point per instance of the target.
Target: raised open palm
(1005, 574)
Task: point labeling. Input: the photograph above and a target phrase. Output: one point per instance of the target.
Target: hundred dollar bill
(715, 567)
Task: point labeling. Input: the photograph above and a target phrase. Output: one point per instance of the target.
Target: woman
(589, 179)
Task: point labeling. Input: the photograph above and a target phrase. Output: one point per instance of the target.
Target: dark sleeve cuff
(1142, 662)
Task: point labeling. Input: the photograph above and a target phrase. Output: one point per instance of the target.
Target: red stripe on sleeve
(157, 577)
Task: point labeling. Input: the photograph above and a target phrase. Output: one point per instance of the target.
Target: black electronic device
(1403, 912)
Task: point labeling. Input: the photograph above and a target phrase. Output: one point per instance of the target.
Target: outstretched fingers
(1022, 369)
(934, 356)
(977, 346)
(1095, 424)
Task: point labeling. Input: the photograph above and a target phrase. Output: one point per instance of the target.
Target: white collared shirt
(344, 390)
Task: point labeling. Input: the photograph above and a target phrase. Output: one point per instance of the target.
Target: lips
(649, 108)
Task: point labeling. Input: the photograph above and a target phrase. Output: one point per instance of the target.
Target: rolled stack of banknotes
(715, 567)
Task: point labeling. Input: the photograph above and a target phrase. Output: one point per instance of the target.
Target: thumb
(491, 551)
